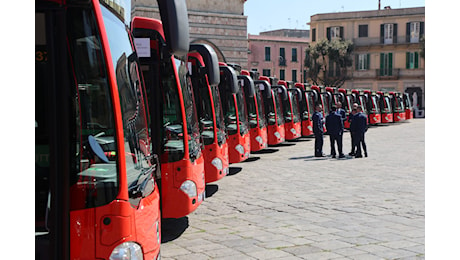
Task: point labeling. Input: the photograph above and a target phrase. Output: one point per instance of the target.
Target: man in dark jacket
(318, 130)
(341, 111)
(334, 126)
(359, 128)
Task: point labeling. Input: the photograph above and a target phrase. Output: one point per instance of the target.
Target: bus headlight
(127, 250)
(277, 134)
(189, 188)
(259, 139)
(293, 131)
(217, 163)
(239, 148)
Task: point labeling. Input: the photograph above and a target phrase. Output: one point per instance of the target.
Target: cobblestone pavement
(284, 203)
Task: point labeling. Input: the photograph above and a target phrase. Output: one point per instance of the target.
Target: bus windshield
(287, 108)
(138, 155)
(295, 108)
(242, 113)
(220, 124)
(260, 107)
(191, 118)
(279, 110)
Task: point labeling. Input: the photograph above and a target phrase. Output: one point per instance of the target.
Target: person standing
(359, 130)
(341, 111)
(334, 126)
(354, 111)
(318, 130)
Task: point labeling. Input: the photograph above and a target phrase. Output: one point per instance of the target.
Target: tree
(328, 62)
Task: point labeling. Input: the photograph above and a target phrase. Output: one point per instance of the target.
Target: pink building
(271, 54)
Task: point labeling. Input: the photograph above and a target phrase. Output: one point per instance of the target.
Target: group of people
(334, 124)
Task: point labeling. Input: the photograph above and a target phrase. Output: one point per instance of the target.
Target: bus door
(374, 116)
(96, 196)
(257, 123)
(399, 112)
(172, 107)
(205, 80)
(385, 107)
(408, 106)
(235, 115)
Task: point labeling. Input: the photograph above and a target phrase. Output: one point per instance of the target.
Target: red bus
(235, 115)
(307, 108)
(360, 99)
(372, 106)
(171, 99)
(408, 106)
(96, 195)
(385, 107)
(256, 112)
(274, 115)
(262, 93)
(205, 80)
(397, 104)
(291, 113)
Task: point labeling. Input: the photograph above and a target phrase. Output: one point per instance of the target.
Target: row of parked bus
(132, 121)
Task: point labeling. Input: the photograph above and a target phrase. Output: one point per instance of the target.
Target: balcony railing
(387, 74)
(366, 41)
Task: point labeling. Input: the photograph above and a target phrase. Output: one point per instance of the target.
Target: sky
(267, 15)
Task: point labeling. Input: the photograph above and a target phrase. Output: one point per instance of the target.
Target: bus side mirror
(210, 60)
(265, 87)
(174, 17)
(247, 84)
(230, 78)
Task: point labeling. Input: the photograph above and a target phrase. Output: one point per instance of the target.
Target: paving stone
(289, 205)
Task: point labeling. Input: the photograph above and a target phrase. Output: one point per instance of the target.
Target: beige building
(387, 47)
(220, 24)
(278, 53)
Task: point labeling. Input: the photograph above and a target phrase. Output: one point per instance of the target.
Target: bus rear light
(217, 162)
(239, 148)
(127, 251)
(189, 188)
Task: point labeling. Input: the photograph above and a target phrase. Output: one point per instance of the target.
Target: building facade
(220, 24)
(388, 46)
(275, 54)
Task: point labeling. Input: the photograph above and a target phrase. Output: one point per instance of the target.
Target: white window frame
(335, 33)
(362, 62)
(414, 32)
(388, 33)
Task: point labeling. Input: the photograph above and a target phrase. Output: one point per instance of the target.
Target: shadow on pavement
(172, 228)
(233, 170)
(211, 189)
(266, 150)
(252, 159)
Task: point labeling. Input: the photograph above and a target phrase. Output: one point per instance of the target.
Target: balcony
(367, 41)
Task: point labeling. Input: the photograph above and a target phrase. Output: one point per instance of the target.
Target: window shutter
(328, 33)
(395, 33)
(390, 64)
(382, 33)
(407, 32)
(407, 60)
(357, 61)
(313, 35)
(422, 29)
(368, 61)
(382, 63)
(416, 60)
(341, 33)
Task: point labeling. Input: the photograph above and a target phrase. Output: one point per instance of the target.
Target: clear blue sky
(267, 15)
